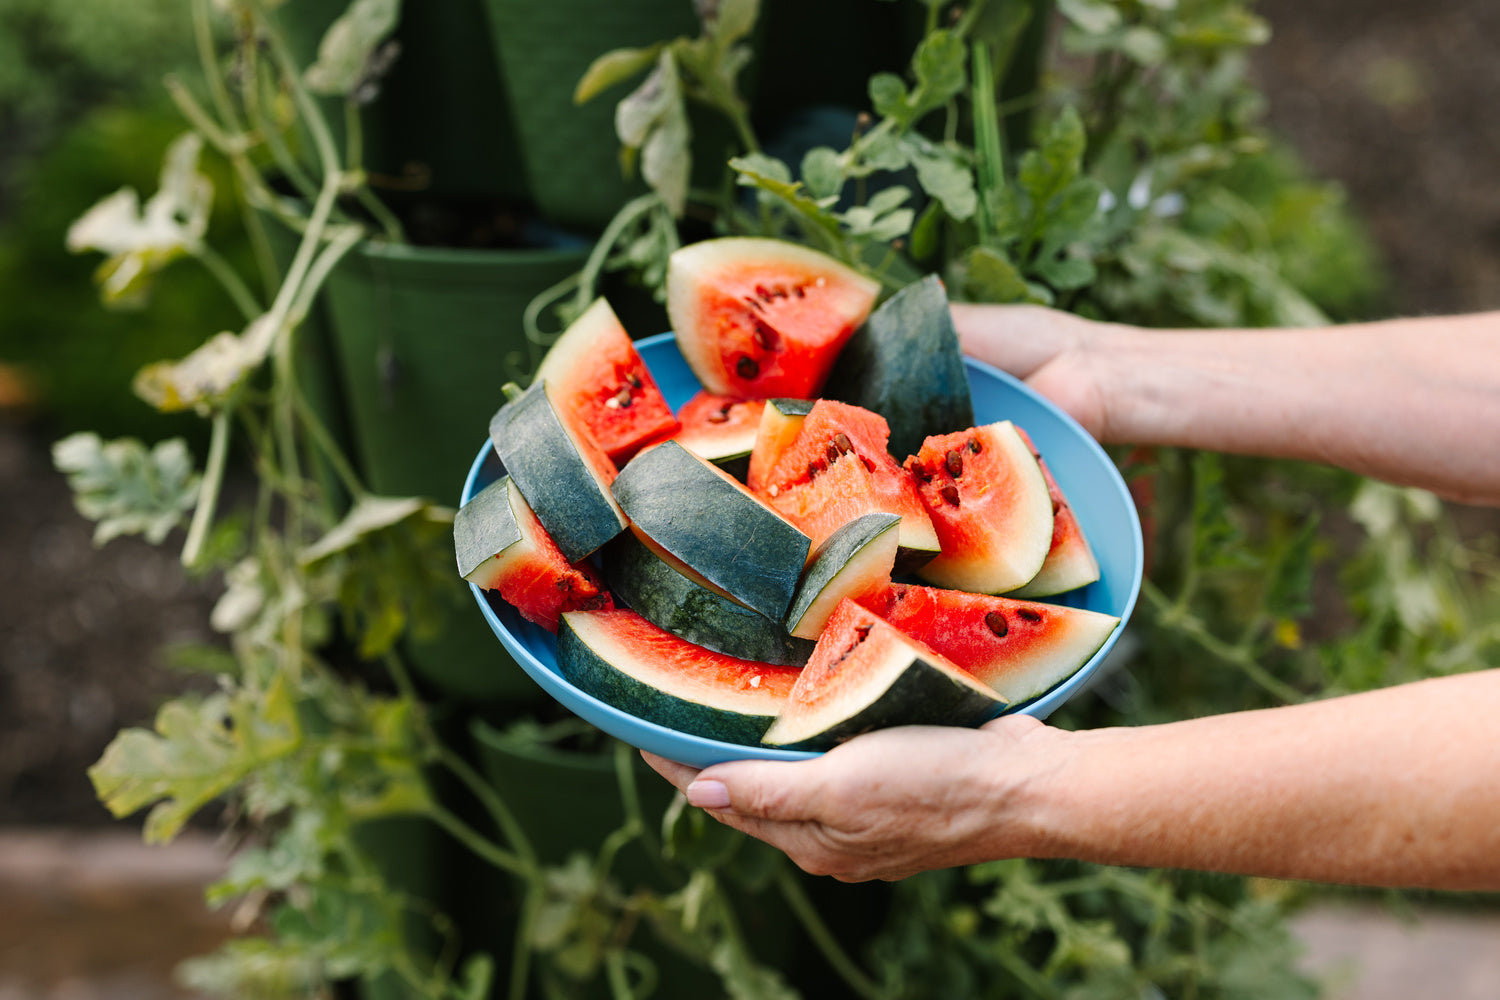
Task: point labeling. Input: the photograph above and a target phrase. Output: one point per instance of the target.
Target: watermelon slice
(756, 318)
(832, 432)
(855, 563)
(502, 546)
(1022, 649)
(624, 660)
(1070, 562)
(780, 421)
(600, 382)
(864, 675)
(721, 429)
(989, 506)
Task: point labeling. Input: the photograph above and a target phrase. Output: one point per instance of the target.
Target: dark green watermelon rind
(592, 672)
(906, 364)
(666, 598)
(544, 459)
(484, 527)
(852, 550)
(922, 693)
(696, 513)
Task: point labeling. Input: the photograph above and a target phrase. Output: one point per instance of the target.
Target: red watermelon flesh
(836, 433)
(717, 427)
(989, 505)
(1070, 562)
(1020, 648)
(534, 576)
(601, 381)
(756, 318)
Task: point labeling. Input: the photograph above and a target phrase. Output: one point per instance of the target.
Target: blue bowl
(1090, 480)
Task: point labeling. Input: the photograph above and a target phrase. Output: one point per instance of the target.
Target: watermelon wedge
(989, 505)
(1070, 562)
(757, 318)
(600, 382)
(502, 546)
(621, 658)
(1021, 649)
(865, 675)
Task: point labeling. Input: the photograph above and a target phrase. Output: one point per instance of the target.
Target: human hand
(887, 804)
(1055, 352)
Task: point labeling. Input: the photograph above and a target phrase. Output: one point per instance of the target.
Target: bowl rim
(651, 736)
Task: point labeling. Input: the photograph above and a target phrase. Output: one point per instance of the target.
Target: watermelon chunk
(757, 318)
(989, 506)
(621, 658)
(720, 428)
(1021, 649)
(603, 386)
(1070, 562)
(831, 436)
(502, 546)
(865, 674)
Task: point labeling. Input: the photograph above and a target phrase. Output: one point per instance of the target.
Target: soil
(1393, 100)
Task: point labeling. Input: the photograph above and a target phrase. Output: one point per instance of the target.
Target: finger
(781, 791)
(1019, 339)
(680, 775)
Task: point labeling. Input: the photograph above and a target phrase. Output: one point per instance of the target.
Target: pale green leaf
(1143, 45)
(1066, 273)
(207, 376)
(613, 68)
(886, 151)
(888, 199)
(368, 516)
(198, 751)
(728, 21)
(348, 47)
(639, 112)
(888, 96)
(950, 182)
(822, 172)
(667, 159)
(1093, 16)
(941, 69)
(125, 488)
(990, 277)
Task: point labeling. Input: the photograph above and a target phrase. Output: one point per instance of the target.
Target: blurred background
(1393, 101)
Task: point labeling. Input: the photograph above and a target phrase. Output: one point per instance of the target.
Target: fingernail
(708, 795)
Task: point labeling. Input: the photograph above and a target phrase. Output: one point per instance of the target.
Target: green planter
(423, 341)
(569, 152)
(441, 124)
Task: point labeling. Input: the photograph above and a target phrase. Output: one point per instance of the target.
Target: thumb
(779, 791)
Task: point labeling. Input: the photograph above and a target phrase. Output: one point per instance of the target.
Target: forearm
(1393, 787)
(1415, 402)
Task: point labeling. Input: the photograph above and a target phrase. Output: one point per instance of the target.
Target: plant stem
(229, 280)
(823, 938)
(479, 844)
(208, 491)
(1175, 616)
(509, 826)
(520, 969)
(630, 797)
(990, 165)
(209, 59)
(589, 277)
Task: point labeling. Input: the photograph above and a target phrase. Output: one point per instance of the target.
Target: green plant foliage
(1144, 193)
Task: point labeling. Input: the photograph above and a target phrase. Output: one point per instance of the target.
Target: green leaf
(1143, 45)
(1093, 16)
(640, 111)
(613, 68)
(728, 21)
(1052, 166)
(667, 159)
(692, 838)
(365, 518)
(940, 66)
(990, 277)
(1066, 273)
(884, 151)
(823, 172)
(205, 378)
(198, 751)
(141, 241)
(950, 182)
(927, 232)
(126, 489)
(475, 978)
(888, 96)
(348, 47)
(888, 199)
